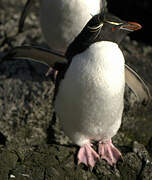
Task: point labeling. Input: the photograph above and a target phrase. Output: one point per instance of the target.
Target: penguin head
(108, 27)
(101, 27)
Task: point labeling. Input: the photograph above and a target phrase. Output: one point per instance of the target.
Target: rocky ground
(32, 146)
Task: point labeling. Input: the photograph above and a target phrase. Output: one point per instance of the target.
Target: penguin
(90, 90)
(67, 15)
(62, 20)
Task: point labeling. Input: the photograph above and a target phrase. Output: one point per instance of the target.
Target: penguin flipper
(24, 15)
(37, 54)
(137, 85)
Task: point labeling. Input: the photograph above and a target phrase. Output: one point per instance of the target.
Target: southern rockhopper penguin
(90, 91)
(90, 85)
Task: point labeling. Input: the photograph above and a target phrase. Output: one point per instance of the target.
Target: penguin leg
(109, 152)
(87, 155)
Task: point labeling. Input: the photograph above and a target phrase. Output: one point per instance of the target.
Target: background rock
(32, 146)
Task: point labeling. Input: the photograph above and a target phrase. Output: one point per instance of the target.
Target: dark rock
(131, 166)
(146, 173)
(25, 103)
(8, 161)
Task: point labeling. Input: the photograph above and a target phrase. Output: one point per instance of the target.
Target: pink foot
(109, 152)
(87, 155)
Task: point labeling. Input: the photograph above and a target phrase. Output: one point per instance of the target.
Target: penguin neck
(106, 44)
(76, 47)
(108, 48)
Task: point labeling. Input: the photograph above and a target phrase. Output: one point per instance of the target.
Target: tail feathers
(137, 85)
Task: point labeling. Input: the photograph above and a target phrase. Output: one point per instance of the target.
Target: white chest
(90, 98)
(100, 66)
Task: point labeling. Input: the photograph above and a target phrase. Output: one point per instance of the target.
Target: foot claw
(87, 155)
(109, 152)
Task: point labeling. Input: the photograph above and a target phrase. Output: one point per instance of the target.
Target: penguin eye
(115, 24)
(113, 28)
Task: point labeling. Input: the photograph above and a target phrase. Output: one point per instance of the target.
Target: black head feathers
(101, 27)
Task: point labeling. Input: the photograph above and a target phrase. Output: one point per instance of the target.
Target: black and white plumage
(62, 20)
(90, 95)
(90, 87)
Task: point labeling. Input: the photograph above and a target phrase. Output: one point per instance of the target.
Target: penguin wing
(59, 62)
(37, 54)
(24, 15)
(137, 85)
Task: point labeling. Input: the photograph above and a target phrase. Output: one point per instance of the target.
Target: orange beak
(131, 26)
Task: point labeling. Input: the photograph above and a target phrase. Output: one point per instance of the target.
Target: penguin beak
(131, 26)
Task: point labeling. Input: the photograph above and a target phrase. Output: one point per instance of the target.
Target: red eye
(113, 29)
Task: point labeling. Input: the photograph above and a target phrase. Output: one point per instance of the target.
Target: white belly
(62, 20)
(90, 98)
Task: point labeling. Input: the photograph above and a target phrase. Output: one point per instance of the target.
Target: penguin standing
(90, 85)
(90, 89)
